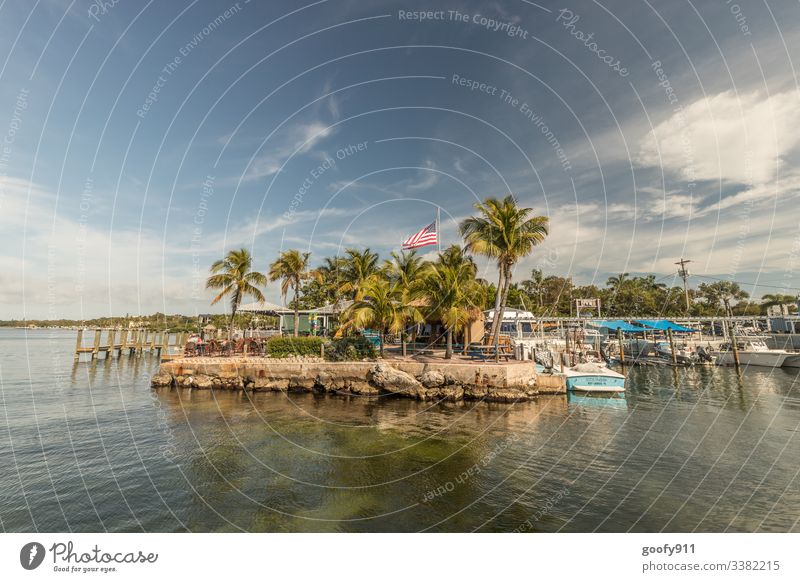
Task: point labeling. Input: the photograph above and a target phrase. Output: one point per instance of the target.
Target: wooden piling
(112, 336)
(139, 341)
(78, 345)
(672, 346)
(96, 348)
(123, 342)
(734, 346)
(621, 347)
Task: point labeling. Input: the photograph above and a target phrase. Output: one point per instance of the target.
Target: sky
(140, 141)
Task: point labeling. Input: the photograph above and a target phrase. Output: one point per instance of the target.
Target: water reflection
(699, 448)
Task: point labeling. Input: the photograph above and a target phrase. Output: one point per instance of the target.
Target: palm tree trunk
(499, 316)
(448, 352)
(403, 341)
(233, 317)
(296, 314)
(495, 324)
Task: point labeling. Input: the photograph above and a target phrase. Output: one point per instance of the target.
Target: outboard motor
(702, 354)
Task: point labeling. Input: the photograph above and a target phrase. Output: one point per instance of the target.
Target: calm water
(91, 447)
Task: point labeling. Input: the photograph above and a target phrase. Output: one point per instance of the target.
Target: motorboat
(752, 352)
(589, 377)
(792, 361)
(683, 355)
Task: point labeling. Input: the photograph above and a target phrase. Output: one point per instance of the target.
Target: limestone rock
(301, 383)
(432, 379)
(202, 382)
(396, 381)
(274, 384)
(161, 380)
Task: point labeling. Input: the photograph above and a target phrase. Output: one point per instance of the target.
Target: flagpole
(438, 228)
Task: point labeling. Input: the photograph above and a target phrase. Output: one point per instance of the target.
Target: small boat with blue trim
(589, 377)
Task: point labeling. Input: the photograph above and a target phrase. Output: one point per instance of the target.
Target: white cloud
(734, 137)
(299, 139)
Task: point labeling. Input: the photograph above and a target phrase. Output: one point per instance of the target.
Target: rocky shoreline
(421, 381)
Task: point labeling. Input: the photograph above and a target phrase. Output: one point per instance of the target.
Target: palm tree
(292, 267)
(771, 299)
(535, 286)
(381, 305)
(356, 268)
(329, 276)
(404, 268)
(450, 290)
(617, 281)
(232, 276)
(506, 233)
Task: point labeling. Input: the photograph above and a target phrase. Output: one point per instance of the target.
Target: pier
(131, 342)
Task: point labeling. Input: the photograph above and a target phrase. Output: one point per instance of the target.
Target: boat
(792, 361)
(589, 377)
(752, 352)
(683, 354)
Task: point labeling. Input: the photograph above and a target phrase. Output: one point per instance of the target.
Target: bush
(348, 349)
(281, 347)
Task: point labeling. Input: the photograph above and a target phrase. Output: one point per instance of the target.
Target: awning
(664, 325)
(615, 324)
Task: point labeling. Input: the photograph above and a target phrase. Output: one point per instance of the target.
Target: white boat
(590, 377)
(683, 354)
(792, 361)
(752, 352)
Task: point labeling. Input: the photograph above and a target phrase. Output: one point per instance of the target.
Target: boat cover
(664, 325)
(616, 324)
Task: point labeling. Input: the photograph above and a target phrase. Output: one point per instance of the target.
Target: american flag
(427, 236)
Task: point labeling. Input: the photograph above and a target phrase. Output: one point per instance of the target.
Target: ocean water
(91, 447)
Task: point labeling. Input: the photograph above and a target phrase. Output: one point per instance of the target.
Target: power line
(784, 287)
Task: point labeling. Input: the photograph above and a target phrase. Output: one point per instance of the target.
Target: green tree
(722, 293)
(382, 304)
(451, 292)
(507, 233)
(534, 287)
(356, 267)
(291, 268)
(233, 277)
(771, 299)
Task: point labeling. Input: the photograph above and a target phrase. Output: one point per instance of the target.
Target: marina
(108, 452)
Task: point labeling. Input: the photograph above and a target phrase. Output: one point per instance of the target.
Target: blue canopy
(663, 325)
(615, 324)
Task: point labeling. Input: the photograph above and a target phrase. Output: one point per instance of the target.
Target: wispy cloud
(298, 139)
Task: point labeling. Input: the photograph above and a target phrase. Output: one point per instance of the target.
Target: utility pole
(684, 274)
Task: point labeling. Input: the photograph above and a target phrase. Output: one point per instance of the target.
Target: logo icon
(31, 555)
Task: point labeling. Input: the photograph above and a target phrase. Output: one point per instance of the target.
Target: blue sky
(140, 141)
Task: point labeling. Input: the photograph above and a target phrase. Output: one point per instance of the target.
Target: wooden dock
(131, 342)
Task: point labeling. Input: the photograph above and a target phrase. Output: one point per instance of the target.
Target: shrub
(280, 347)
(349, 349)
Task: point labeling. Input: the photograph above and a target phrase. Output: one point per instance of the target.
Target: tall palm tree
(507, 233)
(357, 266)
(450, 289)
(233, 276)
(292, 268)
(406, 271)
(382, 304)
(404, 268)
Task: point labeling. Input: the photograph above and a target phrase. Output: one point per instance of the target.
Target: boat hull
(595, 383)
(792, 361)
(765, 359)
